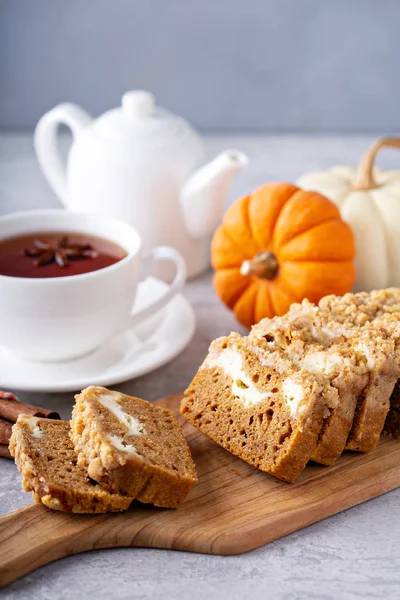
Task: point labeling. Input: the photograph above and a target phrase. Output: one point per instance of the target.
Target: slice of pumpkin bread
(336, 363)
(361, 363)
(373, 344)
(380, 309)
(258, 405)
(46, 459)
(132, 447)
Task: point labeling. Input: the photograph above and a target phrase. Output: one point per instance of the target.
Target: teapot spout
(204, 194)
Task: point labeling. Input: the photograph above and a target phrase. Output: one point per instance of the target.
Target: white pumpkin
(369, 200)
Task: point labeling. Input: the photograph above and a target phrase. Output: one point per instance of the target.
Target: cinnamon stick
(11, 408)
(4, 451)
(5, 431)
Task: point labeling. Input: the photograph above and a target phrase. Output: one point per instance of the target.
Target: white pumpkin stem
(263, 265)
(364, 179)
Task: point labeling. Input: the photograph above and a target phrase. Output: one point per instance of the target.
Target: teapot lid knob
(138, 103)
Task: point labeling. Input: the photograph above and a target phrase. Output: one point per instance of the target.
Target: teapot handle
(47, 147)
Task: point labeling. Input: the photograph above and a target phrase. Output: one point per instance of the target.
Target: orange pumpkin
(277, 246)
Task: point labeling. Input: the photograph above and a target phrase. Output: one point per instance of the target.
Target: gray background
(226, 65)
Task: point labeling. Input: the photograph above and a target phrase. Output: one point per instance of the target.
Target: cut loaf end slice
(132, 447)
(45, 457)
(259, 406)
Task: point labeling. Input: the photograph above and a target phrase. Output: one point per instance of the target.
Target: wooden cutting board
(234, 508)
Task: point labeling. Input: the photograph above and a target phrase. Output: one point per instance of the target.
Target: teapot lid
(139, 117)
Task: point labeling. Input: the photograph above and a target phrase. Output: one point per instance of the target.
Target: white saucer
(131, 354)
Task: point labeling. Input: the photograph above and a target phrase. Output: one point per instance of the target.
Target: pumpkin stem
(364, 179)
(263, 265)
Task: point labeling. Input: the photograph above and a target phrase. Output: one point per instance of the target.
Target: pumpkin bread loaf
(359, 363)
(381, 309)
(383, 361)
(336, 363)
(258, 405)
(45, 457)
(132, 447)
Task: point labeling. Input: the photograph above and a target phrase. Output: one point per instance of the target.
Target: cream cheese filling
(119, 444)
(133, 425)
(33, 423)
(243, 388)
(294, 395)
(322, 363)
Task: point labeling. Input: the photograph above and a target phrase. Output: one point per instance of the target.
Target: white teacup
(62, 318)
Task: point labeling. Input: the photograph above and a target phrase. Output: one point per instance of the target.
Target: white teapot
(143, 165)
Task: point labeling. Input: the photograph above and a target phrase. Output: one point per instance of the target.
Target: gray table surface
(355, 554)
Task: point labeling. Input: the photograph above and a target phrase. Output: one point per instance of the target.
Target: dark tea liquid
(19, 256)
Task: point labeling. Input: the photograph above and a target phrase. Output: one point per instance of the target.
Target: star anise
(61, 252)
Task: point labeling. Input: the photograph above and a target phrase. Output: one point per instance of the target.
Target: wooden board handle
(34, 536)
